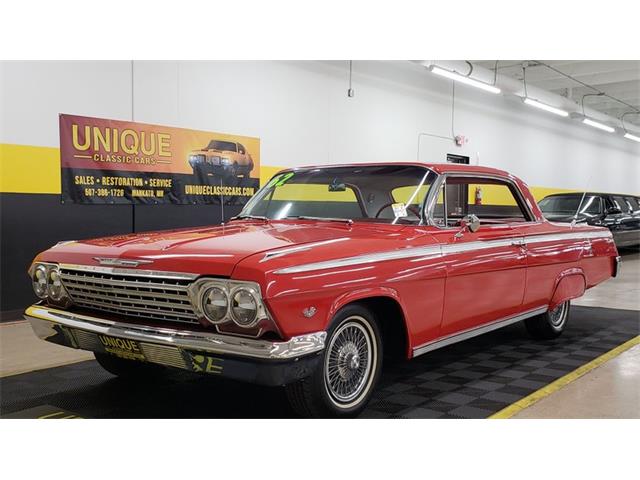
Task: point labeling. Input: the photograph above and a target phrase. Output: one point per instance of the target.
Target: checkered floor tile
(472, 379)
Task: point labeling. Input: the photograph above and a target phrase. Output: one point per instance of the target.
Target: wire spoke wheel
(558, 315)
(350, 362)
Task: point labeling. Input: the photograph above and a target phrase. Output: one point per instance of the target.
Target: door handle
(518, 243)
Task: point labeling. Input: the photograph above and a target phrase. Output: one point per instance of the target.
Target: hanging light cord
(350, 72)
(622, 119)
(600, 94)
(453, 107)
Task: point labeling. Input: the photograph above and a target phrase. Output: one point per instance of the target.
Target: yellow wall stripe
(538, 395)
(29, 169)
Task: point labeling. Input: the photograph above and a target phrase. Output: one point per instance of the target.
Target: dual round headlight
(39, 281)
(215, 304)
(56, 290)
(244, 307)
(47, 283)
(241, 304)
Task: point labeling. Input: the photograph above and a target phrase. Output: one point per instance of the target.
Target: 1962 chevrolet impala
(324, 269)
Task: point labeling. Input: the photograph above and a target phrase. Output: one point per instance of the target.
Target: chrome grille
(163, 355)
(151, 298)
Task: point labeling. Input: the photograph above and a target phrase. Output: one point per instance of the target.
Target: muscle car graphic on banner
(113, 161)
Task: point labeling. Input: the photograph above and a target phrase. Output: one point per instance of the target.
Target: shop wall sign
(114, 161)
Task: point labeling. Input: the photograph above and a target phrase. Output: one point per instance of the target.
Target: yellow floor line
(547, 390)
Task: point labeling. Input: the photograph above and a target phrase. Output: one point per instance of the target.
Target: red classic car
(324, 270)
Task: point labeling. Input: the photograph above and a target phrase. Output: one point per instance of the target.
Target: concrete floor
(609, 391)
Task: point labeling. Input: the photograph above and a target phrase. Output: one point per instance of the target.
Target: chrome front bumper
(256, 361)
(43, 320)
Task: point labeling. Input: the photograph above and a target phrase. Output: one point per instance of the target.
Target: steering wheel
(412, 208)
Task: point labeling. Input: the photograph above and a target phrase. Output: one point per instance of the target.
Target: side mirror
(470, 223)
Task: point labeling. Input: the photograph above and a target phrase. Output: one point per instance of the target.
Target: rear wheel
(350, 367)
(129, 369)
(549, 325)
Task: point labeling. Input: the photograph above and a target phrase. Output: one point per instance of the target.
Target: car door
(486, 269)
(624, 225)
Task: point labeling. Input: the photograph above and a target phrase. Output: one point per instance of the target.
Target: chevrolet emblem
(120, 262)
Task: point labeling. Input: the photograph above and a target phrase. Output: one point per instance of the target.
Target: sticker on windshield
(399, 209)
(283, 179)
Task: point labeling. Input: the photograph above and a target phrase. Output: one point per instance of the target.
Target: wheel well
(392, 324)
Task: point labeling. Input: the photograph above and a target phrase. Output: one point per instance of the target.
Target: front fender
(570, 284)
(355, 295)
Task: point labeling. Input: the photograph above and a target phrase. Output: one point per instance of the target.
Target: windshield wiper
(321, 219)
(250, 217)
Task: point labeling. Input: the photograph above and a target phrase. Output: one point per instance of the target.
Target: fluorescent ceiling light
(635, 138)
(544, 106)
(599, 125)
(462, 79)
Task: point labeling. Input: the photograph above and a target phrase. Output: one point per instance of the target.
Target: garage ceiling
(617, 78)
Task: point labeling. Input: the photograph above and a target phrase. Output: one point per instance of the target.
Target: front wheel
(549, 325)
(351, 363)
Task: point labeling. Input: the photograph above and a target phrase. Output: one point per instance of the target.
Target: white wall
(302, 114)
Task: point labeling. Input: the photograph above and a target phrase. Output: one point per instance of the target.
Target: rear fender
(570, 284)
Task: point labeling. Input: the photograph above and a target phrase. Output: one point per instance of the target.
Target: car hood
(212, 250)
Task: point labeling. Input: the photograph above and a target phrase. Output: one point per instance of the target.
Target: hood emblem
(120, 262)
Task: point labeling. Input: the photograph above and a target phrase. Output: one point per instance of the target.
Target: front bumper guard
(258, 361)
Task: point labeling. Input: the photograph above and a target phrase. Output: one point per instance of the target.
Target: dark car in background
(619, 213)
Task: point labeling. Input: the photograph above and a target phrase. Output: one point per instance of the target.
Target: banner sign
(113, 161)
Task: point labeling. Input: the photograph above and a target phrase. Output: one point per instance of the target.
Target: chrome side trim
(555, 237)
(479, 245)
(129, 271)
(300, 248)
(474, 332)
(442, 250)
(44, 320)
(431, 250)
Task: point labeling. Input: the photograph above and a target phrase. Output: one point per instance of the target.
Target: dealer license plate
(122, 347)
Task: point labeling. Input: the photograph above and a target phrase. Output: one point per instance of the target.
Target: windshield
(385, 193)
(568, 205)
(221, 145)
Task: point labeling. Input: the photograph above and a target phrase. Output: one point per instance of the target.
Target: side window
(592, 205)
(438, 211)
(633, 204)
(492, 201)
(620, 203)
(241, 148)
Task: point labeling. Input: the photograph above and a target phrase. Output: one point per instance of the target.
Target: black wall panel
(160, 217)
(30, 223)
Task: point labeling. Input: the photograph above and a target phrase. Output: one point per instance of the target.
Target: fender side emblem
(309, 312)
